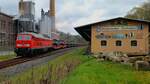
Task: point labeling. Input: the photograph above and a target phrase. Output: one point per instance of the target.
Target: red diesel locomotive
(28, 43)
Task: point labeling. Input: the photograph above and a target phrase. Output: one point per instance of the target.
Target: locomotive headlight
(19, 45)
(27, 45)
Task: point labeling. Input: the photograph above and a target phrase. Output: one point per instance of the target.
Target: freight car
(75, 45)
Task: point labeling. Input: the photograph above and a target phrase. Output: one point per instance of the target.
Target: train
(30, 43)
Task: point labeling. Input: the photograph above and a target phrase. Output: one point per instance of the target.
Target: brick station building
(7, 31)
(130, 36)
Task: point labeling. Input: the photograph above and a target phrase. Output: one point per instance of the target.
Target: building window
(124, 22)
(103, 43)
(134, 43)
(119, 22)
(98, 29)
(118, 43)
(132, 35)
(141, 27)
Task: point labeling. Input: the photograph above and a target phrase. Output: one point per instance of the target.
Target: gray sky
(72, 13)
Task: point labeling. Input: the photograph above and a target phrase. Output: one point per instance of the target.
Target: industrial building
(7, 32)
(25, 20)
(47, 22)
(130, 36)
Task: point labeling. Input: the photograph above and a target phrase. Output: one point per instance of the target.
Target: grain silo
(26, 16)
(45, 23)
(27, 9)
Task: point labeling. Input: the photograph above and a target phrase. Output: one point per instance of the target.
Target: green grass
(76, 68)
(94, 72)
(7, 57)
(54, 70)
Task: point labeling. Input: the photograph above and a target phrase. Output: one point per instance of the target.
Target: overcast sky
(72, 13)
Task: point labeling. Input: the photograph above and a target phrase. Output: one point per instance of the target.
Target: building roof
(6, 15)
(85, 30)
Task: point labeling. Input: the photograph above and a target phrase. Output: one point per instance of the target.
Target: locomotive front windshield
(19, 38)
(24, 37)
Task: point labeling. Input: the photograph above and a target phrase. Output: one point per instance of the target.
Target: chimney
(52, 7)
(21, 7)
(52, 15)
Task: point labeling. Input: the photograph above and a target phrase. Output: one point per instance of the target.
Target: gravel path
(10, 71)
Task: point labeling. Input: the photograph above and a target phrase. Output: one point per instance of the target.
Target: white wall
(45, 25)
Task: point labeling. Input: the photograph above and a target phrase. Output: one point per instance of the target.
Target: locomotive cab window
(24, 37)
(19, 38)
(27, 37)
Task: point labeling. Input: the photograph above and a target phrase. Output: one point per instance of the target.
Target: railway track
(19, 60)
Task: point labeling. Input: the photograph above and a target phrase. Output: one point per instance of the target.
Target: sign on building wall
(119, 36)
(119, 25)
(103, 36)
(130, 35)
(120, 28)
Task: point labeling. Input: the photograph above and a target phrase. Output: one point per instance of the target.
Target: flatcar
(29, 43)
(58, 44)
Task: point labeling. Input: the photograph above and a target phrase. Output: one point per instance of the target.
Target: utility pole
(0, 9)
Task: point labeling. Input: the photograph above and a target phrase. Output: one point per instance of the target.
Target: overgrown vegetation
(52, 72)
(95, 72)
(141, 12)
(7, 56)
(72, 38)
